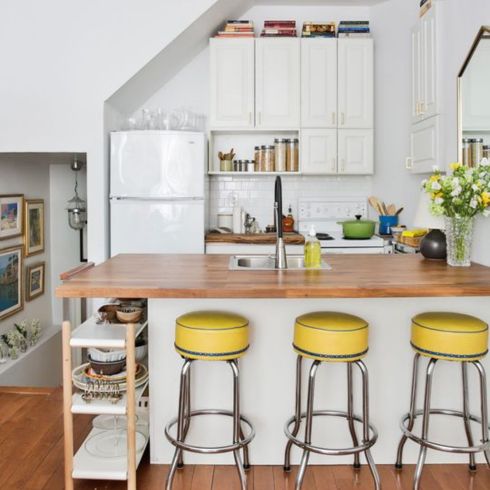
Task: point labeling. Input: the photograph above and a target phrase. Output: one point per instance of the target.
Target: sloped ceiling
(175, 56)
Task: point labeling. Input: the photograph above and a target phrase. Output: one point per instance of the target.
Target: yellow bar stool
(331, 337)
(210, 336)
(447, 337)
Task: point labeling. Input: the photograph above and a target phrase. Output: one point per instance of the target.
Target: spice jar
(467, 152)
(476, 151)
(280, 154)
(292, 155)
(258, 154)
(251, 166)
(268, 155)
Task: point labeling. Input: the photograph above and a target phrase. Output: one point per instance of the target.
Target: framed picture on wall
(35, 280)
(34, 227)
(11, 298)
(11, 215)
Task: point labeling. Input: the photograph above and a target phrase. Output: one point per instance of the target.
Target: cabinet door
(232, 83)
(277, 83)
(355, 83)
(319, 151)
(428, 39)
(355, 151)
(424, 145)
(319, 83)
(417, 94)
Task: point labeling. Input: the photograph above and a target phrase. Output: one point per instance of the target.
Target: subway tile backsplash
(256, 194)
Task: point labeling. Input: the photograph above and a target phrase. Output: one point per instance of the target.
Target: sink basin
(266, 263)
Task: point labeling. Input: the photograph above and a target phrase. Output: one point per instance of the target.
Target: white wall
(66, 242)
(61, 61)
(32, 180)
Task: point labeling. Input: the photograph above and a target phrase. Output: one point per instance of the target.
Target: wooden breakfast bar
(386, 290)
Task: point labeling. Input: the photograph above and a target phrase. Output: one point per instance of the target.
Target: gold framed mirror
(474, 101)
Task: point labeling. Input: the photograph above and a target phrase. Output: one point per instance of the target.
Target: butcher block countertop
(255, 239)
(207, 276)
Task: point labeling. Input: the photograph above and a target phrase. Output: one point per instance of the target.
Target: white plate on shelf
(113, 444)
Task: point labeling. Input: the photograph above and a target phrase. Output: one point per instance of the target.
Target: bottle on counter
(288, 221)
(237, 216)
(313, 251)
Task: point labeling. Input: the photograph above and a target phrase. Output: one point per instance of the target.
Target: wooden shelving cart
(83, 464)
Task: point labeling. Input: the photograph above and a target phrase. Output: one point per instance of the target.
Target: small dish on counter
(106, 355)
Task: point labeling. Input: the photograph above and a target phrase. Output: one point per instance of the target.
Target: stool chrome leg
(180, 423)
(466, 413)
(350, 413)
(297, 415)
(365, 423)
(236, 422)
(187, 415)
(413, 403)
(309, 423)
(425, 423)
(484, 407)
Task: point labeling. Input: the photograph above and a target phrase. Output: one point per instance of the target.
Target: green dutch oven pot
(360, 229)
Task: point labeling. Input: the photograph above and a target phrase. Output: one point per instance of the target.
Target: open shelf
(111, 336)
(252, 174)
(86, 466)
(104, 407)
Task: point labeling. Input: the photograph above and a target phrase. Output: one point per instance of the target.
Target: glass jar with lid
(292, 155)
(476, 151)
(268, 157)
(280, 154)
(467, 152)
(258, 156)
(486, 152)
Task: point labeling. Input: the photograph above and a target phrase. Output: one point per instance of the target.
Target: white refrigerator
(157, 192)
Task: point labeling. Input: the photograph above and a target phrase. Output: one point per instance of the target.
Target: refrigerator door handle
(163, 199)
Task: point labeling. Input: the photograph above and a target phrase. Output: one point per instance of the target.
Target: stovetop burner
(324, 236)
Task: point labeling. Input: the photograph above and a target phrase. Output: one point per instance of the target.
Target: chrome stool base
(369, 435)
(408, 420)
(183, 421)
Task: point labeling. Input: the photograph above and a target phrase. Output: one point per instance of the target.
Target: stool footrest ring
(327, 451)
(214, 449)
(438, 446)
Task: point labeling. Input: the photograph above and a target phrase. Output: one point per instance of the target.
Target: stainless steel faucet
(281, 259)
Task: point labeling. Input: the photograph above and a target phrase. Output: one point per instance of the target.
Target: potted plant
(459, 196)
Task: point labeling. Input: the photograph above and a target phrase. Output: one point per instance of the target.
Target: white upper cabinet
(355, 83)
(232, 83)
(318, 151)
(424, 145)
(277, 78)
(429, 78)
(319, 83)
(424, 67)
(355, 151)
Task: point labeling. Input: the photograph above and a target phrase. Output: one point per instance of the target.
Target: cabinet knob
(409, 163)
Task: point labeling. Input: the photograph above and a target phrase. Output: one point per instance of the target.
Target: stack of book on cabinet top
(236, 29)
(425, 5)
(318, 29)
(354, 28)
(279, 28)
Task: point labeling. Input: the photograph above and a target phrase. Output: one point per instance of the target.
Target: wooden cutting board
(257, 239)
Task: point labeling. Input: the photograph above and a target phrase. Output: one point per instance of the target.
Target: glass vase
(459, 237)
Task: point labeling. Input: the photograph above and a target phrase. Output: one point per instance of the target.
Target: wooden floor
(31, 458)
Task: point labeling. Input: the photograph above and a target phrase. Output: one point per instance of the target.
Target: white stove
(325, 214)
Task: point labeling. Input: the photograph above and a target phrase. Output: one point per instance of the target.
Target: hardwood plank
(26, 390)
(263, 478)
(226, 478)
(202, 478)
(207, 276)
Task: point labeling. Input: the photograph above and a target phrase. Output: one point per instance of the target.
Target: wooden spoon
(392, 210)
